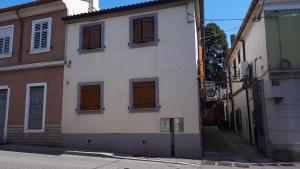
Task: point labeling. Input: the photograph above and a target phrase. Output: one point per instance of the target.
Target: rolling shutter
(137, 31)
(148, 29)
(36, 104)
(3, 107)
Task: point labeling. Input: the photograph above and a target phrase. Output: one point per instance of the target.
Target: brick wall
(51, 136)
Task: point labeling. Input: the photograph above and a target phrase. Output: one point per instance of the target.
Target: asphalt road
(18, 160)
(21, 160)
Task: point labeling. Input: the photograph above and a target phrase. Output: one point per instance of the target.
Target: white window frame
(11, 41)
(26, 130)
(7, 110)
(48, 48)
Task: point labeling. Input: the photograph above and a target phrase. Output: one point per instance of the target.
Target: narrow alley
(226, 146)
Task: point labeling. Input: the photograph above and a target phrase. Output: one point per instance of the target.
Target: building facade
(263, 70)
(32, 43)
(131, 80)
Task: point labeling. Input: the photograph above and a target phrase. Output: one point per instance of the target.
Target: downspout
(202, 68)
(247, 96)
(21, 37)
(231, 97)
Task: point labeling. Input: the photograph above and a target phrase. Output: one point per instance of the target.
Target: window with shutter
(90, 97)
(148, 29)
(144, 94)
(144, 29)
(41, 35)
(6, 38)
(137, 31)
(91, 36)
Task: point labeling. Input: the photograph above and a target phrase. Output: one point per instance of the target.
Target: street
(16, 160)
(21, 160)
(226, 146)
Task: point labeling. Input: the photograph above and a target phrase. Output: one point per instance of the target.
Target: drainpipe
(21, 37)
(231, 97)
(247, 95)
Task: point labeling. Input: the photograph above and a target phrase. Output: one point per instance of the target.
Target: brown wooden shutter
(86, 37)
(148, 29)
(84, 98)
(143, 95)
(95, 36)
(137, 31)
(90, 97)
(149, 98)
(138, 101)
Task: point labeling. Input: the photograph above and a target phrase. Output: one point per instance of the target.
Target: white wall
(173, 61)
(284, 117)
(76, 6)
(256, 54)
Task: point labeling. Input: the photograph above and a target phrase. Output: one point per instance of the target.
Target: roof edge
(26, 5)
(241, 30)
(120, 9)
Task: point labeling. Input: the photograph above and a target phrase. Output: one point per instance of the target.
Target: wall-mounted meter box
(165, 125)
(178, 125)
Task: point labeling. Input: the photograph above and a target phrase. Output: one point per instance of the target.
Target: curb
(109, 155)
(202, 162)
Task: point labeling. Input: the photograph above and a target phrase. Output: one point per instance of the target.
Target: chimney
(232, 39)
(94, 5)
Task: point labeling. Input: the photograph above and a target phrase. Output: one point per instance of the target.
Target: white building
(264, 105)
(130, 84)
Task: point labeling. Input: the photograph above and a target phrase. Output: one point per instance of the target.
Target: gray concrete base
(155, 145)
(286, 152)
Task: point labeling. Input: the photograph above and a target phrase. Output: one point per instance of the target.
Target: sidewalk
(57, 151)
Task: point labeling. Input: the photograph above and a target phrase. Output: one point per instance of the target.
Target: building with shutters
(263, 69)
(131, 80)
(32, 41)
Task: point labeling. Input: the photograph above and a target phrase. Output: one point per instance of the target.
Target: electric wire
(215, 35)
(253, 20)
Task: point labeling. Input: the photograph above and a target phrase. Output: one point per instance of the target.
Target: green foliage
(215, 51)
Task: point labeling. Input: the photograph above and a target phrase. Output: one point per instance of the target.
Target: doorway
(4, 105)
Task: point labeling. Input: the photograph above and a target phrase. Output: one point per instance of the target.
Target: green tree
(216, 50)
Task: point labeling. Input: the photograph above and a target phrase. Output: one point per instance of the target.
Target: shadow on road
(47, 150)
(225, 146)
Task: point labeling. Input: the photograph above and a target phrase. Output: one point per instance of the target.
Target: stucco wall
(281, 119)
(173, 61)
(283, 34)
(256, 55)
(284, 120)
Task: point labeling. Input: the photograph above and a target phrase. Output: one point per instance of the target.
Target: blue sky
(214, 9)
